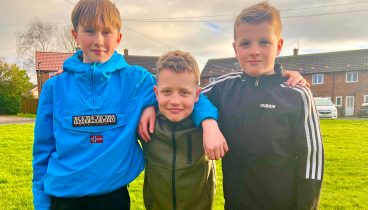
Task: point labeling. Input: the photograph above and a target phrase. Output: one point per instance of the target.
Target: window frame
(318, 76)
(365, 98)
(351, 73)
(212, 79)
(338, 97)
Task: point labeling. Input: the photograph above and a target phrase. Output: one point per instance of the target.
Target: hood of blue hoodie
(84, 70)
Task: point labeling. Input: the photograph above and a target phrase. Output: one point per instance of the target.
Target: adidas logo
(268, 106)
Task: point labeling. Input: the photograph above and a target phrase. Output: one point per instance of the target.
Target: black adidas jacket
(275, 158)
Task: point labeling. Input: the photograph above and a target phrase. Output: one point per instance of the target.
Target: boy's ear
(234, 47)
(74, 34)
(155, 90)
(120, 36)
(198, 92)
(280, 43)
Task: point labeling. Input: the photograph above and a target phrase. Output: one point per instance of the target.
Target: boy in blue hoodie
(85, 144)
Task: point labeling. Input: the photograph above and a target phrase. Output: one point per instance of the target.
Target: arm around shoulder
(214, 142)
(146, 82)
(203, 109)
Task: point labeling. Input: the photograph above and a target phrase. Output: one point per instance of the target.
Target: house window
(351, 76)
(212, 79)
(317, 79)
(365, 99)
(338, 101)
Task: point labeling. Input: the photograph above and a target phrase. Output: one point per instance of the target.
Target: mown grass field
(345, 182)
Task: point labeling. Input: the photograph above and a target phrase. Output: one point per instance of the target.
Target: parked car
(325, 108)
(363, 111)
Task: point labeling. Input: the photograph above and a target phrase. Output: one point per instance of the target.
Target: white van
(325, 108)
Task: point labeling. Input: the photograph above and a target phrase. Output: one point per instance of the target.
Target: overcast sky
(202, 27)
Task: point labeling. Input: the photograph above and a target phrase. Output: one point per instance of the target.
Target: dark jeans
(116, 200)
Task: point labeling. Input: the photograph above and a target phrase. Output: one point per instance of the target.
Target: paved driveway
(15, 120)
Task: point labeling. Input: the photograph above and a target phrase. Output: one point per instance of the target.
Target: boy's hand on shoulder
(295, 78)
(147, 123)
(56, 73)
(214, 143)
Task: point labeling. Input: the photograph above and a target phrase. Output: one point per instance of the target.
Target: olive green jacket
(178, 175)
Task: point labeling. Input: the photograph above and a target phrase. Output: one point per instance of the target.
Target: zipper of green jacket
(173, 175)
(189, 149)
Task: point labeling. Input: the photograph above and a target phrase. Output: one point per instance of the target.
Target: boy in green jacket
(178, 174)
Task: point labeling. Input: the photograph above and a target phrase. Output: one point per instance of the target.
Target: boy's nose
(254, 50)
(175, 99)
(98, 39)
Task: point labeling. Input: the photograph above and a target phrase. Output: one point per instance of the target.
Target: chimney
(296, 51)
(125, 52)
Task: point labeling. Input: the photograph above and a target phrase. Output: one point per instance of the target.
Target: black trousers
(116, 200)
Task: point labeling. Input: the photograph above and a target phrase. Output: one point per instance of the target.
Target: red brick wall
(44, 75)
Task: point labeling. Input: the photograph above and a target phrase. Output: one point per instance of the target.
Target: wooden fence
(29, 106)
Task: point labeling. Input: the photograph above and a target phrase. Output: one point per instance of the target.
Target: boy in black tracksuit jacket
(275, 158)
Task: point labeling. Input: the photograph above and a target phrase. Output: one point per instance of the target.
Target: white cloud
(316, 33)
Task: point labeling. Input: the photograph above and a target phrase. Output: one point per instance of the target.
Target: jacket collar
(75, 64)
(185, 123)
(265, 80)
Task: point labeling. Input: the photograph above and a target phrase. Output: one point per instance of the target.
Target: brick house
(50, 62)
(341, 76)
(47, 63)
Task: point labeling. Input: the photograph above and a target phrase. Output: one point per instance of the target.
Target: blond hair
(179, 62)
(258, 13)
(94, 12)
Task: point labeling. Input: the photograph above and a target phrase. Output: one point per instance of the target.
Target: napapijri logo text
(94, 120)
(268, 106)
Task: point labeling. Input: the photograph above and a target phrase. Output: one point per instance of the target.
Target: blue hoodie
(85, 140)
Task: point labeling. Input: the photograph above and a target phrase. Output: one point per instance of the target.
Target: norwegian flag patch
(96, 139)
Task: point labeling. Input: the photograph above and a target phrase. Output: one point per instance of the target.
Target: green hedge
(10, 104)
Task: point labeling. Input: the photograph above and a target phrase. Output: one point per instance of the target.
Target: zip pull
(94, 66)
(257, 82)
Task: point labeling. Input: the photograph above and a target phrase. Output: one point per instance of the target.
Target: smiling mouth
(98, 51)
(175, 111)
(254, 62)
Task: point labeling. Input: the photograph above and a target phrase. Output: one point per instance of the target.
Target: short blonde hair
(258, 13)
(95, 12)
(178, 61)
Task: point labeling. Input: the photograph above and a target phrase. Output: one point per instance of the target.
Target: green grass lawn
(345, 183)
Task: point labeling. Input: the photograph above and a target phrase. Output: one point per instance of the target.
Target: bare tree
(38, 37)
(65, 40)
